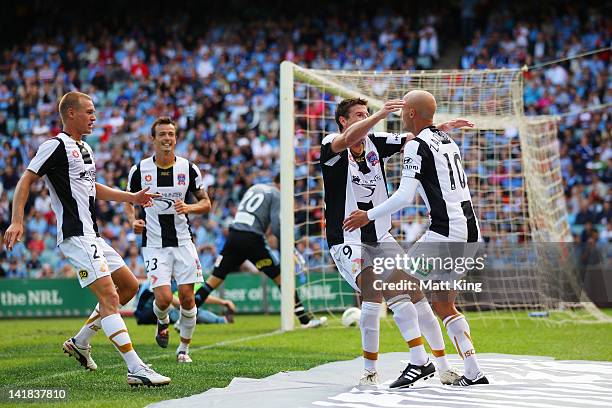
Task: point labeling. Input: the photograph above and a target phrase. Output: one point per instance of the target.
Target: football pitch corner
(526, 381)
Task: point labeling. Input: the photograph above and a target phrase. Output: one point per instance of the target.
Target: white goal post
(522, 201)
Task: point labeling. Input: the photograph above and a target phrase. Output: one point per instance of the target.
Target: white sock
(91, 327)
(116, 331)
(162, 314)
(430, 327)
(369, 324)
(187, 327)
(459, 332)
(405, 316)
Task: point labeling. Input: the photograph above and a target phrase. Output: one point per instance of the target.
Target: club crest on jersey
(357, 265)
(181, 178)
(372, 158)
(75, 153)
(148, 178)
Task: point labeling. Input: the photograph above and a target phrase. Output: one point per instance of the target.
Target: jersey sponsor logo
(371, 189)
(409, 166)
(163, 202)
(90, 177)
(368, 185)
(372, 158)
(181, 178)
(75, 153)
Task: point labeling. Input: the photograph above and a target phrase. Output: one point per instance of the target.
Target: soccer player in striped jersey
(66, 164)
(353, 165)
(432, 167)
(167, 245)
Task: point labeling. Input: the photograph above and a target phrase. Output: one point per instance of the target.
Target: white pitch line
(158, 356)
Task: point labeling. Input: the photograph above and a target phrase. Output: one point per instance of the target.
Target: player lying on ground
(66, 164)
(353, 165)
(144, 313)
(167, 245)
(432, 166)
(258, 210)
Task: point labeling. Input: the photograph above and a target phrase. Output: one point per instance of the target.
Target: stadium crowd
(222, 90)
(571, 89)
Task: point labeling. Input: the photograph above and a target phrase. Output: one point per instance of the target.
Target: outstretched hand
(390, 106)
(356, 219)
(144, 198)
(455, 124)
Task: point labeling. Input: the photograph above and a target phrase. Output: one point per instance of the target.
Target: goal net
(511, 161)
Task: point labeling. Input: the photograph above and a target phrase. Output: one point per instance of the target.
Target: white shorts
(349, 259)
(181, 263)
(92, 257)
(435, 245)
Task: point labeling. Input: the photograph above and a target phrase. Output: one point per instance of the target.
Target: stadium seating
(222, 90)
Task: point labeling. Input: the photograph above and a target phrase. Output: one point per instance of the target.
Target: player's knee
(109, 303)
(128, 291)
(187, 299)
(444, 309)
(163, 302)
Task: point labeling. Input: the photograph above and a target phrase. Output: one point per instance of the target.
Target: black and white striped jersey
(164, 227)
(68, 169)
(434, 159)
(353, 183)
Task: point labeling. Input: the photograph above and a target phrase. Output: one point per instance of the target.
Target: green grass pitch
(31, 356)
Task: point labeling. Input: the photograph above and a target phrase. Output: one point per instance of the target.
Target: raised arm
(355, 133)
(411, 173)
